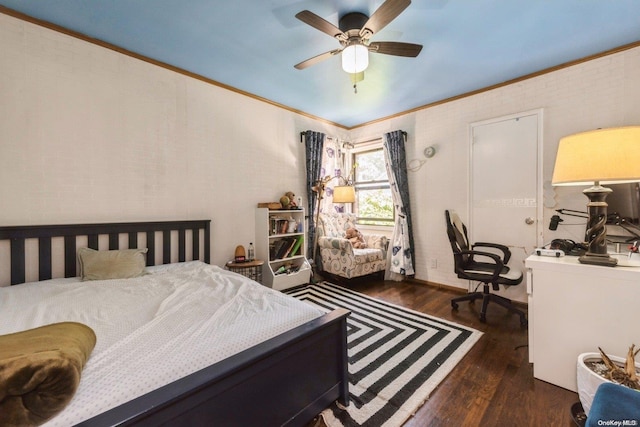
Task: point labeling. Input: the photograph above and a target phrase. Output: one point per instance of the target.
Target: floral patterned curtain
(402, 254)
(332, 166)
(314, 142)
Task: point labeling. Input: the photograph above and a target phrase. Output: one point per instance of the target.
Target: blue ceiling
(252, 45)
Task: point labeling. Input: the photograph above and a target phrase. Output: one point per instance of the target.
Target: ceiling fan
(355, 30)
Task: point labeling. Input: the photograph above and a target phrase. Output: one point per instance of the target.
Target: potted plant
(596, 368)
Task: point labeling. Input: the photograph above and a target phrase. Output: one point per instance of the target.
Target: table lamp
(603, 156)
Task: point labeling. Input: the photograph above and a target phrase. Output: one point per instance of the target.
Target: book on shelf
(274, 248)
(282, 248)
(290, 245)
(296, 246)
(278, 225)
(285, 248)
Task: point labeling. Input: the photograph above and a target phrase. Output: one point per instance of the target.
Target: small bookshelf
(281, 240)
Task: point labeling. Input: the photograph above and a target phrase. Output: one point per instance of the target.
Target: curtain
(400, 259)
(313, 142)
(333, 166)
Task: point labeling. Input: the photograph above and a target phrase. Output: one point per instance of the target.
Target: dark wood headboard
(200, 229)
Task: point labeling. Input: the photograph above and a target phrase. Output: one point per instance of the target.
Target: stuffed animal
(356, 238)
(288, 200)
(292, 199)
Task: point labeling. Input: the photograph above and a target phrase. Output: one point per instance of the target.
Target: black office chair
(485, 267)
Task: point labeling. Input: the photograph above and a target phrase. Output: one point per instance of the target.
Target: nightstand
(250, 269)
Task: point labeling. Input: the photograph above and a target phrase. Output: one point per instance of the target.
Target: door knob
(529, 220)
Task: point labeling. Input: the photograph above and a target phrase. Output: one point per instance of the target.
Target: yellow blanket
(40, 371)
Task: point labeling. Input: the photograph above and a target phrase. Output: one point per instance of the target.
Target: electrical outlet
(433, 263)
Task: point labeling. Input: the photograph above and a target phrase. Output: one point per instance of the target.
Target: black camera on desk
(555, 220)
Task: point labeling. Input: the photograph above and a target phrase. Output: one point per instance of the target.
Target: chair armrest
(335, 243)
(496, 266)
(376, 241)
(506, 253)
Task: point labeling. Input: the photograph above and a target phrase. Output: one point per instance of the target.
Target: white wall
(601, 93)
(90, 135)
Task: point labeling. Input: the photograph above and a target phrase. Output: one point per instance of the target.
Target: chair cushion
(480, 271)
(368, 255)
(509, 275)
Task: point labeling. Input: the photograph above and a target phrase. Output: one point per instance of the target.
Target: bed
(284, 380)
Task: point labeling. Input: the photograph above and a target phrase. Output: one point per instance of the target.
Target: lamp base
(598, 259)
(596, 229)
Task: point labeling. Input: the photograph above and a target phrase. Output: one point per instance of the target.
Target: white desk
(575, 308)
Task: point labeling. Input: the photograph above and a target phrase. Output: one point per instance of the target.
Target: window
(374, 204)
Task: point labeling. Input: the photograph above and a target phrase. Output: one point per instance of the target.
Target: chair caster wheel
(454, 305)
(483, 318)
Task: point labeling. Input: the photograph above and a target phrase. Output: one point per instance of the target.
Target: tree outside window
(374, 204)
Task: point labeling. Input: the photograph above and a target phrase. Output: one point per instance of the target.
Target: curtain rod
(378, 138)
(404, 134)
(331, 138)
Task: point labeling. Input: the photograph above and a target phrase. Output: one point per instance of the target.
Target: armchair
(338, 255)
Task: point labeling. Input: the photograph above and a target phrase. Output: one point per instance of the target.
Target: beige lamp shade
(606, 156)
(344, 194)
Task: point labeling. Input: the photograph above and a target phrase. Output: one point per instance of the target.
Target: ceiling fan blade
(318, 58)
(386, 13)
(321, 24)
(396, 48)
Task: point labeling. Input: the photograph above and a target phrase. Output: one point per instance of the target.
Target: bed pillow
(40, 371)
(115, 264)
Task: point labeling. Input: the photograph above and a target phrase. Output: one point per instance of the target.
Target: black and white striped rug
(397, 356)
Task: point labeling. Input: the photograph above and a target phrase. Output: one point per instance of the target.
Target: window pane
(370, 166)
(375, 207)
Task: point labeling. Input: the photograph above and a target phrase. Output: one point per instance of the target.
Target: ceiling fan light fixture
(355, 58)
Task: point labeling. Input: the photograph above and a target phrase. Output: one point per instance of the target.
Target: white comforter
(153, 329)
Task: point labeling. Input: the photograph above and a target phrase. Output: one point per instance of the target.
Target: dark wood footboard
(286, 380)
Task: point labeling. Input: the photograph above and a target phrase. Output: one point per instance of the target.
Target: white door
(506, 187)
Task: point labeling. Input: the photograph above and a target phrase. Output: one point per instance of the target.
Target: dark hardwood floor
(493, 385)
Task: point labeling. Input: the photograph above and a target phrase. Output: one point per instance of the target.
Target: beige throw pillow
(115, 264)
